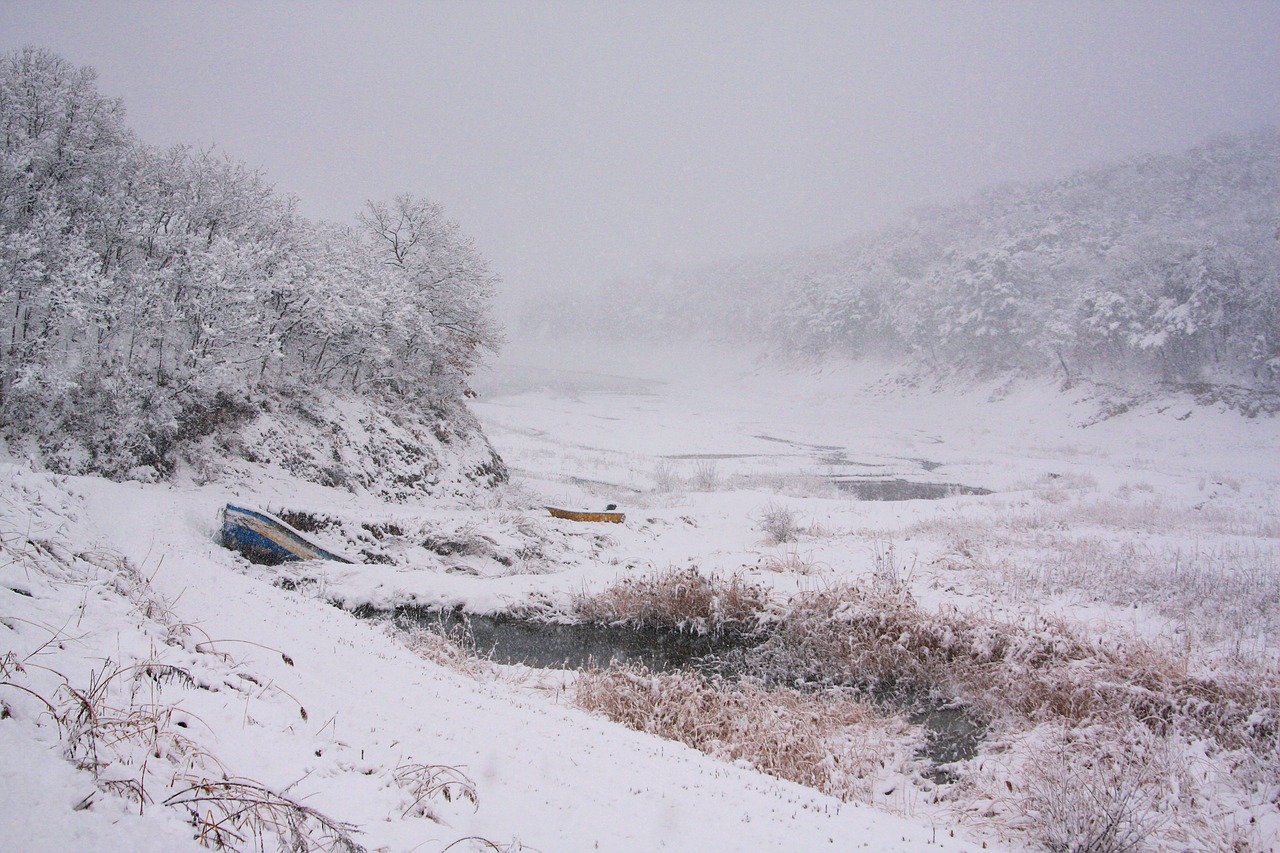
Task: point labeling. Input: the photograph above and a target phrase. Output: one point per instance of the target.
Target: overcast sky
(582, 142)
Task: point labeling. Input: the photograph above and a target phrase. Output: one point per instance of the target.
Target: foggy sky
(582, 142)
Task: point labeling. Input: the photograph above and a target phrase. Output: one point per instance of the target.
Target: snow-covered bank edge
(261, 684)
(1083, 524)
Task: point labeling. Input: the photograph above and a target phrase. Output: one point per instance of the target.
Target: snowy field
(136, 645)
(699, 457)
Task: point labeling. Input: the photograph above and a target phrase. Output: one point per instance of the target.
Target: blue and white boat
(263, 538)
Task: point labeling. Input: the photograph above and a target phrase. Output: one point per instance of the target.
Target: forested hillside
(150, 298)
(1162, 268)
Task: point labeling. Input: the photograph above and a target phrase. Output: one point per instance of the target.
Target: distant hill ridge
(1159, 268)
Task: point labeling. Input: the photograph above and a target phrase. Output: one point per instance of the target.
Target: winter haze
(716, 427)
(585, 142)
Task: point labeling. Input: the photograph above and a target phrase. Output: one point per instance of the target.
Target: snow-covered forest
(149, 296)
(1164, 267)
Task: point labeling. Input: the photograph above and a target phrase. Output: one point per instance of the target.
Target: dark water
(507, 640)
(952, 734)
(902, 490)
(864, 487)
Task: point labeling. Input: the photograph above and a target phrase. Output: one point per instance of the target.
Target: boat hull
(577, 515)
(263, 538)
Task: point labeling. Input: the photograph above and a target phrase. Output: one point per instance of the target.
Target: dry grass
(124, 724)
(425, 782)
(666, 478)
(889, 576)
(129, 581)
(706, 476)
(834, 744)
(1220, 601)
(792, 562)
(118, 740)
(1131, 510)
(484, 845)
(242, 815)
(133, 746)
(1042, 669)
(677, 599)
(1125, 713)
(134, 749)
(453, 648)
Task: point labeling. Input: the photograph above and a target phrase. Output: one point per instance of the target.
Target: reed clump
(836, 744)
(1125, 720)
(677, 599)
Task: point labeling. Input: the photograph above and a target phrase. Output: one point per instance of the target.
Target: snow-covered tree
(438, 287)
(139, 286)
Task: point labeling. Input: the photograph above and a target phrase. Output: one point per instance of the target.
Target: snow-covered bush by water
(839, 745)
(677, 599)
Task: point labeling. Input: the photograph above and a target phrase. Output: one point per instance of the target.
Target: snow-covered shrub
(706, 476)
(792, 562)
(677, 599)
(779, 524)
(1102, 788)
(665, 477)
(1109, 786)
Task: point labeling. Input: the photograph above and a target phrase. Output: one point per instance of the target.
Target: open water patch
(867, 489)
(715, 457)
(951, 732)
(510, 640)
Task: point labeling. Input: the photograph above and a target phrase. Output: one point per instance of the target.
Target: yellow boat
(576, 515)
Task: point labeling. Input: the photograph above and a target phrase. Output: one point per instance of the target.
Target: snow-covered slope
(205, 670)
(199, 666)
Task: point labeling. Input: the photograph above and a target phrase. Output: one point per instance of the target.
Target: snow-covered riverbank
(103, 580)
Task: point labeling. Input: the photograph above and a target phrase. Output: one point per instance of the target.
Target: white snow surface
(306, 700)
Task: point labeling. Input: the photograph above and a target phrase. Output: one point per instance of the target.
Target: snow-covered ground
(698, 456)
(277, 686)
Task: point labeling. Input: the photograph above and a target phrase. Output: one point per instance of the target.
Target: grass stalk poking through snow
(239, 814)
(427, 781)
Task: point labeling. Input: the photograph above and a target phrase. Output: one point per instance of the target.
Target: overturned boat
(263, 538)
